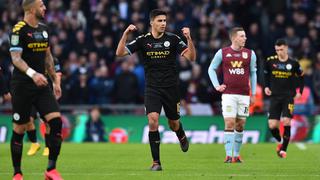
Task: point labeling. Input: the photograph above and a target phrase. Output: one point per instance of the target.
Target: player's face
(282, 50)
(40, 9)
(240, 38)
(159, 23)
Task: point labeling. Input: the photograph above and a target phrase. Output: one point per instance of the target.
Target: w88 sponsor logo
(237, 71)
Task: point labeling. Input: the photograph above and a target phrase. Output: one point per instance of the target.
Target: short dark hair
(281, 42)
(234, 31)
(26, 4)
(156, 12)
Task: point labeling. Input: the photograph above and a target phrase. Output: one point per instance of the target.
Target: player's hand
(186, 32)
(252, 99)
(221, 88)
(297, 96)
(130, 28)
(39, 79)
(7, 97)
(267, 91)
(57, 91)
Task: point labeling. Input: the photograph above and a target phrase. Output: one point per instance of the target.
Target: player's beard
(39, 16)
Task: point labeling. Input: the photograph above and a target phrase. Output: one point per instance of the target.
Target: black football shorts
(281, 107)
(25, 96)
(166, 97)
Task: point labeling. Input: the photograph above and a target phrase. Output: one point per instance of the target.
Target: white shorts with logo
(235, 105)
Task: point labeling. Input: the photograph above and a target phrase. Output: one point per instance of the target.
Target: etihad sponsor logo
(38, 46)
(206, 136)
(158, 54)
(281, 74)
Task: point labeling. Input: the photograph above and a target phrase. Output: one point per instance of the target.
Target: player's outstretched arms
(121, 49)
(191, 53)
(267, 91)
(18, 62)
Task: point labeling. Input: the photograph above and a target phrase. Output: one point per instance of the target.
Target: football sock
(32, 136)
(46, 139)
(154, 140)
(180, 132)
(16, 146)
(276, 134)
(286, 137)
(54, 142)
(228, 141)
(237, 142)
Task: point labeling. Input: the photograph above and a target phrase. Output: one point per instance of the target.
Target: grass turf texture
(132, 161)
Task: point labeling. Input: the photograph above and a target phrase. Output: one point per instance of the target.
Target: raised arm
(121, 49)
(190, 54)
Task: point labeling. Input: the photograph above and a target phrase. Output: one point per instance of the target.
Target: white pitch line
(182, 175)
(301, 146)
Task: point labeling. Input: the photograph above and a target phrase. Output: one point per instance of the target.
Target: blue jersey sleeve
(216, 61)
(253, 73)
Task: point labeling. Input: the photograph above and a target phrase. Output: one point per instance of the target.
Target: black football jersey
(159, 57)
(282, 77)
(33, 43)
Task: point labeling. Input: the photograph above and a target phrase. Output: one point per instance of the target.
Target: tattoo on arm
(49, 62)
(18, 62)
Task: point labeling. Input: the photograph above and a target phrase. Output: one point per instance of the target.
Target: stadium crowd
(84, 35)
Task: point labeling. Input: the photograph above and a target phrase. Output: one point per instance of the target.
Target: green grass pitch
(132, 161)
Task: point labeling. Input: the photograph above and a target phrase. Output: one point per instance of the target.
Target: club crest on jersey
(166, 44)
(289, 66)
(245, 55)
(45, 34)
(16, 116)
(14, 40)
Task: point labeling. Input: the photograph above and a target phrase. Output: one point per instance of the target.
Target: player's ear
(151, 23)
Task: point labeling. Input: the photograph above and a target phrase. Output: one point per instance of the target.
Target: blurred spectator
(95, 129)
(101, 87)
(85, 34)
(126, 86)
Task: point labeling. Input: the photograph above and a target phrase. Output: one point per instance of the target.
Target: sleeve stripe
(128, 50)
(15, 49)
(184, 51)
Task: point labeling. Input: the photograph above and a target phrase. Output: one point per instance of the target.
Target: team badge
(45, 34)
(14, 40)
(289, 66)
(166, 44)
(229, 109)
(245, 55)
(16, 116)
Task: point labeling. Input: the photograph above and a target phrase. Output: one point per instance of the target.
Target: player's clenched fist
(186, 32)
(130, 28)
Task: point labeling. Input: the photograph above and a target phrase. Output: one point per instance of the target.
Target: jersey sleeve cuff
(184, 51)
(13, 49)
(128, 50)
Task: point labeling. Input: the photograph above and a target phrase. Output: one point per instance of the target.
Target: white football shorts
(235, 105)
